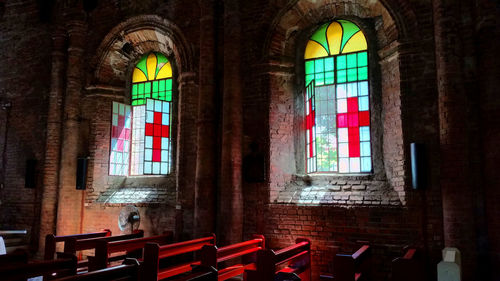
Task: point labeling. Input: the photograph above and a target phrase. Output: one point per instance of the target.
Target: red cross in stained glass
(158, 131)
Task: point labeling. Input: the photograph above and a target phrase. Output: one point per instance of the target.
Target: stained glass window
(148, 145)
(337, 100)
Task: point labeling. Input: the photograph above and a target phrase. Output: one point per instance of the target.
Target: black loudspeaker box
(418, 166)
(30, 174)
(81, 173)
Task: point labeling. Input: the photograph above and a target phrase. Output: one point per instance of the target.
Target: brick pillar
(186, 152)
(53, 143)
(69, 212)
(230, 213)
(206, 168)
(458, 125)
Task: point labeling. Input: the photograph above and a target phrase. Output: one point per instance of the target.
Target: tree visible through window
(337, 110)
(140, 133)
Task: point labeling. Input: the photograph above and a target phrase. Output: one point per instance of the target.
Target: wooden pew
(154, 253)
(51, 240)
(128, 271)
(355, 267)
(213, 256)
(295, 259)
(408, 267)
(19, 256)
(132, 247)
(49, 269)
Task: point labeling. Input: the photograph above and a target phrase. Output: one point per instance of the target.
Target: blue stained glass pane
(363, 103)
(352, 90)
(157, 106)
(164, 119)
(147, 167)
(150, 104)
(366, 164)
(365, 148)
(319, 66)
(166, 107)
(319, 78)
(156, 167)
(164, 155)
(341, 76)
(364, 133)
(148, 142)
(164, 168)
(341, 62)
(148, 154)
(329, 66)
(113, 144)
(149, 116)
(329, 78)
(363, 88)
(164, 143)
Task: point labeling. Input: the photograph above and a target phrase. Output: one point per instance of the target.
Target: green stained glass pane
(329, 77)
(168, 96)
(320, 36)
(309, 67)
(341, 76)
(135, 102)
(155, 86)
(309, 78)
(351, 60)
(329, 65)
(155, 95)
(341, 62)
(142, 64)
(318, 66)
(141, 89)
(168, 84)
(319, 78)
(162, 85)
(362, 73)
(147, 87)
(363, 59)
(352, 74)
(349, 29)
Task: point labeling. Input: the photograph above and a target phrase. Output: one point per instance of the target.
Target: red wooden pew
(128, 271)
(408, 267)
(51, 240)
(154, 253)
(355, 267)
(49, 269)
(211, 256)
(295, 259)
(73, 245)
(133, 248)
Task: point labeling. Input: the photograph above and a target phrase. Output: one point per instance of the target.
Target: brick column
(53, 143)
(69, 212)
(458, 125)
(186, 152)
(230, 213)
(206, 167)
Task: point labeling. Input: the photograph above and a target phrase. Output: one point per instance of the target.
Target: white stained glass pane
(343, 165)
(150, 104)
(148, 167)
(111, 169)
(118, 169)
(112, 157)
(343, 150)
(352, 89)
(363, 103)
(164, 155)
(156, 168)
(115, 107)
(148, 154)
(148, 142)
(164, 143)
(164, 119)
(158, 106)
(119, 157)
(366, 164)
(126, 146)
(342, 106)
(364, 133)
(363, 88)
(125, 158)
(164, 168)
(355, 165)
(125, 170)
(166, 107)
(343, 135)
(150, 117)
(122, 109)
(115, 119)
(365, 148)
(341, 91)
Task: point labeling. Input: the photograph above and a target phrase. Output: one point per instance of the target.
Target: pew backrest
(128, 271)
(353, 267)
(408, 267)
(51, 240)
(49, 269)
(73, 245)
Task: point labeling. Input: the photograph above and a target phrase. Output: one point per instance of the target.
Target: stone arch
(129, 40)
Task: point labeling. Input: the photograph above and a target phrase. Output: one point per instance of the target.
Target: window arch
(141, 132)
(337, 103)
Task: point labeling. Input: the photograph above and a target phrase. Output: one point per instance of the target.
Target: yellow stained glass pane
(151, 64)
(138, 76)
(165, 71)
(314, 50)
(356, 43)
(334, 35)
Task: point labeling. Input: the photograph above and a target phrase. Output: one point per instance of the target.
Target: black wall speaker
(418, 166)
(30, 174)
(81, 173)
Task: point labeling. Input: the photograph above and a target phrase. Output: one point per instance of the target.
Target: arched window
(141, 133)
(337, 106)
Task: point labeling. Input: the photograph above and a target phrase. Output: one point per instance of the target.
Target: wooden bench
(128, 271)
(51, 240)
(408, 267)
(211, 256)
(295, 259)
(19, 256)
(133, 248)
(49, 269)
(154, 253)
(355, 267)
